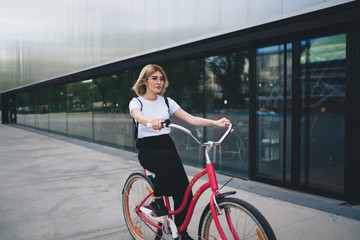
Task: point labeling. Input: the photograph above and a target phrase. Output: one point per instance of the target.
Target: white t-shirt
(154, 109)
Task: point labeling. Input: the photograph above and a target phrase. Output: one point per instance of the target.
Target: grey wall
(42, 39)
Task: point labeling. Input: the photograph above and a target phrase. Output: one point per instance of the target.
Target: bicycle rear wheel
(239, 220)
(136, 188)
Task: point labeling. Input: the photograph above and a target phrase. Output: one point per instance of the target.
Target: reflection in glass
(112, 123)
(274, 111)
(41, 109)
(57, 109)
(186, 87)
(227, 95)
(25, 109)
(79, 117)
(323, 82)
(20, 109)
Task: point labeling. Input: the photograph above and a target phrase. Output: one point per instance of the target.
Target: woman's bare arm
(199, 121)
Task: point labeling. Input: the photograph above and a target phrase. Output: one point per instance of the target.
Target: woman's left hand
(221, 122)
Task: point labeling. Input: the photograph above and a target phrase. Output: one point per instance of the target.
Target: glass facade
(273, 111)
(25, 108)
(220, 85)
(97, 109)
(227, 94)
(112, 125)
(57, 109)
(186, 87)
(41, 109)
(323, 84)
(79, 110)
(321, 113)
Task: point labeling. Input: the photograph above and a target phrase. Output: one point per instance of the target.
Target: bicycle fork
(216, 211)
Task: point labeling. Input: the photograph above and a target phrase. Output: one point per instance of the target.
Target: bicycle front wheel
(136, 188)
(239, 220)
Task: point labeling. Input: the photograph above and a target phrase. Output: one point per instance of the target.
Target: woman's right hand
(156, 124)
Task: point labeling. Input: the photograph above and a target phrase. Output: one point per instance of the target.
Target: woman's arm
(144, 120)
(199, 121)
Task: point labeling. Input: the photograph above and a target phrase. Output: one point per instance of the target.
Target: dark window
(273, 112)
(323, 80)
(227, 95)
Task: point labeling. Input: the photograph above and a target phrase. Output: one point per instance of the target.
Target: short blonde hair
(140, 87)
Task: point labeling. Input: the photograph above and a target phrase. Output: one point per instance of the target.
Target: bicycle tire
(136, 188)
(247, 221)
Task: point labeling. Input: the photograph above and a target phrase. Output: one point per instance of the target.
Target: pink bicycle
(223, 218)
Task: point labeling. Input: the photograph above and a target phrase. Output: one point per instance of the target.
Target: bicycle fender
(223, 195)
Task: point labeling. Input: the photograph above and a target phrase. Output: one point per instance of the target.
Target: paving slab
(58, 188)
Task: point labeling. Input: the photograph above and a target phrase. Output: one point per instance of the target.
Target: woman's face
(155, 83)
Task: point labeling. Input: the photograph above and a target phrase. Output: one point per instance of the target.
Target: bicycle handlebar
(167, 123)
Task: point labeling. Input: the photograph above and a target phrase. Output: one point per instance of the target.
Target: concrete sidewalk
(57, 188)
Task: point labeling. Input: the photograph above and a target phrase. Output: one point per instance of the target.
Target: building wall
(290, 88)
(96, 109)
(43, 39)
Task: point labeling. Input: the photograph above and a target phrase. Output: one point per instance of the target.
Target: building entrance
(320, 133)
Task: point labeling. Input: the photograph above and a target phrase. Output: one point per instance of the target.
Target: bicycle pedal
(148, 212)
(152, 214)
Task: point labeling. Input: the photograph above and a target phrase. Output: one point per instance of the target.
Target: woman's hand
(156, 124)
(221, 122)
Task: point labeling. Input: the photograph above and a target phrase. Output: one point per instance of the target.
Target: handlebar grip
(227, 124)
(166, 123)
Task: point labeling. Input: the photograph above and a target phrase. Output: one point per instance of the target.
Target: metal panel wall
(44, 39)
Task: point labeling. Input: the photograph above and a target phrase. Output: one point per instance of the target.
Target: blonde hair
(140, 88)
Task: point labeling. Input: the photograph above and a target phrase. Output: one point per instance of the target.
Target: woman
(157, 152)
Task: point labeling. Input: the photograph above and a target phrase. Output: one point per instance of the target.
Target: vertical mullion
(48, 112)
(252, 114)
(285, 114)
(295, 112)
(352, 129)
(307, 114)
(92, 110)
(67, 108)
(204, 104)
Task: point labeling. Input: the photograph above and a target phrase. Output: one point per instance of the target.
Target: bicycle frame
(222, 215)
(212, 183)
